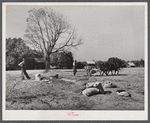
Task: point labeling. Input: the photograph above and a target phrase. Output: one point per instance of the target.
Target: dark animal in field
(114, 69)
(104, 68)
(112, 66)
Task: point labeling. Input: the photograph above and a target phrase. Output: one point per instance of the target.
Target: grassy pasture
(64, 95)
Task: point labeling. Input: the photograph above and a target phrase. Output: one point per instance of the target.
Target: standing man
(74, 68)
(23, 69)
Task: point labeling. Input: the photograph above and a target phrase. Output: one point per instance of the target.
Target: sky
(107, 31)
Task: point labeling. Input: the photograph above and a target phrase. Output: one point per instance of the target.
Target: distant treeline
(138, 63)
(16, 49)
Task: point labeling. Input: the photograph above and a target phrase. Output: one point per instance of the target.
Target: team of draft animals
(91, 88)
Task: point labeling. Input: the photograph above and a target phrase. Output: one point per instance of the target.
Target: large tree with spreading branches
(49, 32)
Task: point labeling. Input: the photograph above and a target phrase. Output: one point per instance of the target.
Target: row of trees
(115, 60)
(16, 49)
(62, 59)
(138, 63)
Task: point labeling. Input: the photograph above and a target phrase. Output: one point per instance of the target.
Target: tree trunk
(47, 63)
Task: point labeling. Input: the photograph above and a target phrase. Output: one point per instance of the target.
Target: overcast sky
(108, 31)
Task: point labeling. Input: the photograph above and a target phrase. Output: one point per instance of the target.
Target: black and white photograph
(75, 61)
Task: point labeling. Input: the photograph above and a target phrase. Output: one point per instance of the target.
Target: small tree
(49, 32)
(80, 65)
(116, 62)
(62, 59)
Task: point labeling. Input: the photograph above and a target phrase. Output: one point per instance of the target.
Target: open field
(64, 95)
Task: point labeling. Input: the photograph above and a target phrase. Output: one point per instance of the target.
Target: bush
(16, 49)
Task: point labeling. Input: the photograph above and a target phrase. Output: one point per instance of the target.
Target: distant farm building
(130, 64)
(90, 63)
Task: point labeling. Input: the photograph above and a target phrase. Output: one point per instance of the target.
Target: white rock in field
(90, 91)
(50, 82)
(123, 93)
(95, 85)
(89, 85)
(45, 80)
(108, 84)
(37, 77)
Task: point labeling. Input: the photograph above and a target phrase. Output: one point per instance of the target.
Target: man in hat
(23, 69)
(74, 68)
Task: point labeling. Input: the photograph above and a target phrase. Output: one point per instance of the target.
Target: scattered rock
(37, 77)
(50, 82)
(89, 85)
(90, 91)
(45, 80)
(123, 93)
(108, 84)
(93, 88)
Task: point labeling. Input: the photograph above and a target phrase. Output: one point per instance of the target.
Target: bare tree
(49, 32)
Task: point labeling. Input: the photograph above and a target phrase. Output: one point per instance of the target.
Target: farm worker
(74, 68)
(23, 69)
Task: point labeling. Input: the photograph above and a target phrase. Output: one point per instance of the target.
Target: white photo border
(44, 115)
